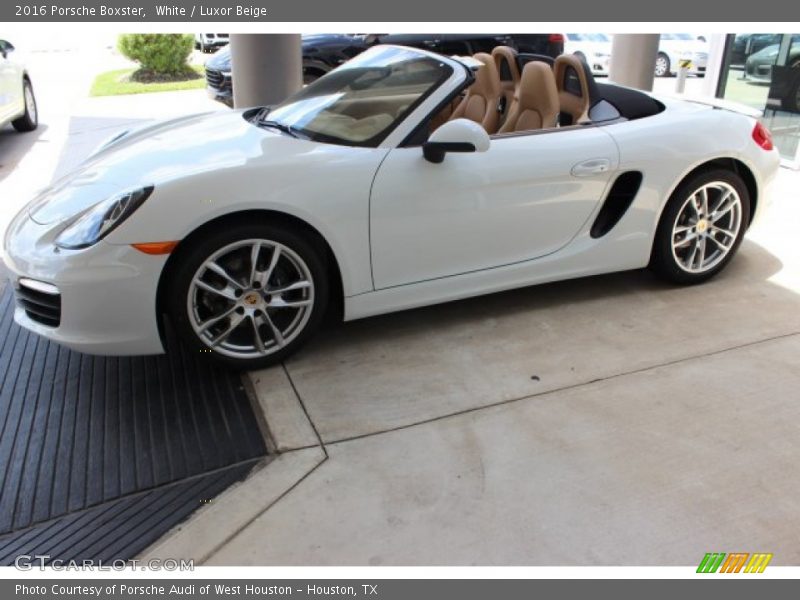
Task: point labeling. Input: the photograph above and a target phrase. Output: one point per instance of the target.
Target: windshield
(677, 36)
(360, 103)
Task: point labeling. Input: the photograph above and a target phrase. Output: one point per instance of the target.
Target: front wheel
(248, 296)
(701, 228)
(662, 65)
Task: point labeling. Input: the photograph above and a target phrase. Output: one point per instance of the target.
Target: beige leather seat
(505, 59)
(536, 106)
(483, 97)
(573, 89)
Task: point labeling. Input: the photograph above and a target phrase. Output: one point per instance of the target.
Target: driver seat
(482, 100)
(574, 95)
(536, 105)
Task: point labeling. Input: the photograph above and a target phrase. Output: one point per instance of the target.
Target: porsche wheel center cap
(702, 226)
(252, 298)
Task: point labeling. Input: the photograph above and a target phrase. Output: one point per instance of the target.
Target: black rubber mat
(83, 435)
(119, 529)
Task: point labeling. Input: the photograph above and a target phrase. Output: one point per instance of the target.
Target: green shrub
(160, 55)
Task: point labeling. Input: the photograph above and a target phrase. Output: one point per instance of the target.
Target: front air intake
(40, 303)
(619, 199)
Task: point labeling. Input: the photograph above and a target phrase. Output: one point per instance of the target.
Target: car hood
(221, 61)
(153, 155)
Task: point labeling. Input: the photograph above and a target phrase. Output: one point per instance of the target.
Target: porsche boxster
(400, 179)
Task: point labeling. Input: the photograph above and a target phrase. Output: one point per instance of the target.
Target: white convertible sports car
(402, 178)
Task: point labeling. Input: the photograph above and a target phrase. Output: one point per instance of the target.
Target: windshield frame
(447, 74)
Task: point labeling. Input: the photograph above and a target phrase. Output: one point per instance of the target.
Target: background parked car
(593, 48)
(209, 42)
(759, 65)
(747, 44)
(676, 46)
(325, 52)
(784, 86)
(17, 101)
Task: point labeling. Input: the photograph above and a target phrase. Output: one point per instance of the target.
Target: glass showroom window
(762, 70)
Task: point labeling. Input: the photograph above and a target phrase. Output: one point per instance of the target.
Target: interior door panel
(518, 201)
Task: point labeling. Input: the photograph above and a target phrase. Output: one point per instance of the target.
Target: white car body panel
(694, 50)
(512, 216)
(517, 201)
(664, 153)
(12, 99)
(597, 54)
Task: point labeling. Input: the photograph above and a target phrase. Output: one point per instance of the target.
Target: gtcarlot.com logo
(736, 562)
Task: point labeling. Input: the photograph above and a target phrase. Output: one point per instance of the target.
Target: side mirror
(459, 135)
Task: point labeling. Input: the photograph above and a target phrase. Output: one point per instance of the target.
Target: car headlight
(97, 222)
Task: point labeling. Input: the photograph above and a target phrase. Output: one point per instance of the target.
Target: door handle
(593, 166)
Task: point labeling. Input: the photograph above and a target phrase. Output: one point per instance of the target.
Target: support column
(266, 68)
(716, 62)
(633, 59)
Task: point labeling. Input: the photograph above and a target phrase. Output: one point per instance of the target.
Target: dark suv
(325, 52)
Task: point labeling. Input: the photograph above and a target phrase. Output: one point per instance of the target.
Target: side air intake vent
(617, 202)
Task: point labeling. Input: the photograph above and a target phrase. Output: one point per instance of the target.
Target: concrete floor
(663, 424)
(611, 420)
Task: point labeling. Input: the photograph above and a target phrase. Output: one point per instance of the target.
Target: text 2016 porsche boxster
(402, 178)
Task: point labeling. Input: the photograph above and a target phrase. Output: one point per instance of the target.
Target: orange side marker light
(155, 248)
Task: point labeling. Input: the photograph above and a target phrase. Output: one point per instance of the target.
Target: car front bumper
(219, 86)
(107, 293)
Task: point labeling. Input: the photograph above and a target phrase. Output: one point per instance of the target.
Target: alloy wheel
(661, 66)
(707, 227)
(250, 298)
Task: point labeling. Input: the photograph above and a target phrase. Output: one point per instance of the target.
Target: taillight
(762, 137)
(556, 38)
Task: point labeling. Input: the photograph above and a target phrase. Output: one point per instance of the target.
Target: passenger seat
(536, 105)
(574, 95)
(483, 97)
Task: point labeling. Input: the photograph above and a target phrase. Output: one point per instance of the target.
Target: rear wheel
(30, 120)
(702, 227)
(248, 296)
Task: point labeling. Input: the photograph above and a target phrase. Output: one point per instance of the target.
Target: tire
(681, 237)
(201, 318)
(663, 66)
(310, 76)
(30, 120)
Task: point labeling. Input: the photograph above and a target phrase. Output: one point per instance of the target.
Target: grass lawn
(115, 83)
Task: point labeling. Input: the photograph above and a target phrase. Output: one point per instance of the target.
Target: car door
(524, 198)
